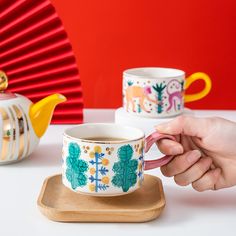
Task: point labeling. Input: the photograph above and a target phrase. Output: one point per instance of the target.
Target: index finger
(169, 147)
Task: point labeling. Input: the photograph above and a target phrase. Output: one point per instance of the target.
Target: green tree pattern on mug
(125, 169)
(159, 88)
(76, 168)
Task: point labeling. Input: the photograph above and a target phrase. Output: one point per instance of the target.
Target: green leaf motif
(118, 167)
(82, 166)
(125, 169)
(125, 152)
(131, 181)
(74, 150)
(118, 180)
(132, 165)
(76, 168)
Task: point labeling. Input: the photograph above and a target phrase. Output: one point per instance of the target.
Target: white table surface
(187, 212)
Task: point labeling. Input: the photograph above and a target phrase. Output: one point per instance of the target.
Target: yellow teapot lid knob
(3, 81)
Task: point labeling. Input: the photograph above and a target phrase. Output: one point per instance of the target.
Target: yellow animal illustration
(140, 93)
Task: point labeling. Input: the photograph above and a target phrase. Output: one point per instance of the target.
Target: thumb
(187, 125)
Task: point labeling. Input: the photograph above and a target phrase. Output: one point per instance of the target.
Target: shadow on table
(44, 155)
(183, 205)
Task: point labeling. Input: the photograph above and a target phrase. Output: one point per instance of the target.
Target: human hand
(204, 154)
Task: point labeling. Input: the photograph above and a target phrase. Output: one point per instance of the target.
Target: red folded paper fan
(37, 57)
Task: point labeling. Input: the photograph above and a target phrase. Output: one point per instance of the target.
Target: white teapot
(22, 123)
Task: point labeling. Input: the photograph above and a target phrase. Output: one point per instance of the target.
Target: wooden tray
(58, 203)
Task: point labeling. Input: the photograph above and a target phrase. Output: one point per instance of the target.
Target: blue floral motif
(98, 170)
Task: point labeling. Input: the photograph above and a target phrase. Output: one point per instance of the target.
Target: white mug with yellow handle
(159, 92)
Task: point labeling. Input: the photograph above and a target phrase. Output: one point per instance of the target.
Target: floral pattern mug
(159, 92)
(107, 168)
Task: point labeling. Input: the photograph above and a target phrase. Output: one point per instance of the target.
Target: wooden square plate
(58, 203)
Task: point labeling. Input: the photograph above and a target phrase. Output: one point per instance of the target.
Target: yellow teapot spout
(41, 112)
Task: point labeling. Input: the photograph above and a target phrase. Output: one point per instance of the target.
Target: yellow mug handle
(203, 93)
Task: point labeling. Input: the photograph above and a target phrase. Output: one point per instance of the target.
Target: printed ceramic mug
(159, 92)
(107, 159)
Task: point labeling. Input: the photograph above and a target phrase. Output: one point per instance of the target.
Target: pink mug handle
(150, 140)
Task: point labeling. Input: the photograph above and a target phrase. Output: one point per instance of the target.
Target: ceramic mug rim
(173, 73)
(67, 134)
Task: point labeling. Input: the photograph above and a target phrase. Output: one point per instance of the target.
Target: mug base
(58, 203)
(99, 194)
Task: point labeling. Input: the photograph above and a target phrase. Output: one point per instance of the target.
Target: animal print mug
(107, 159)
(159, 92)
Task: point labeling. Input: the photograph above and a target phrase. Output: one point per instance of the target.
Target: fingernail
(193, 156)
(176, 150)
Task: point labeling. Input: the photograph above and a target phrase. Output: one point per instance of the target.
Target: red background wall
(109, 36)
